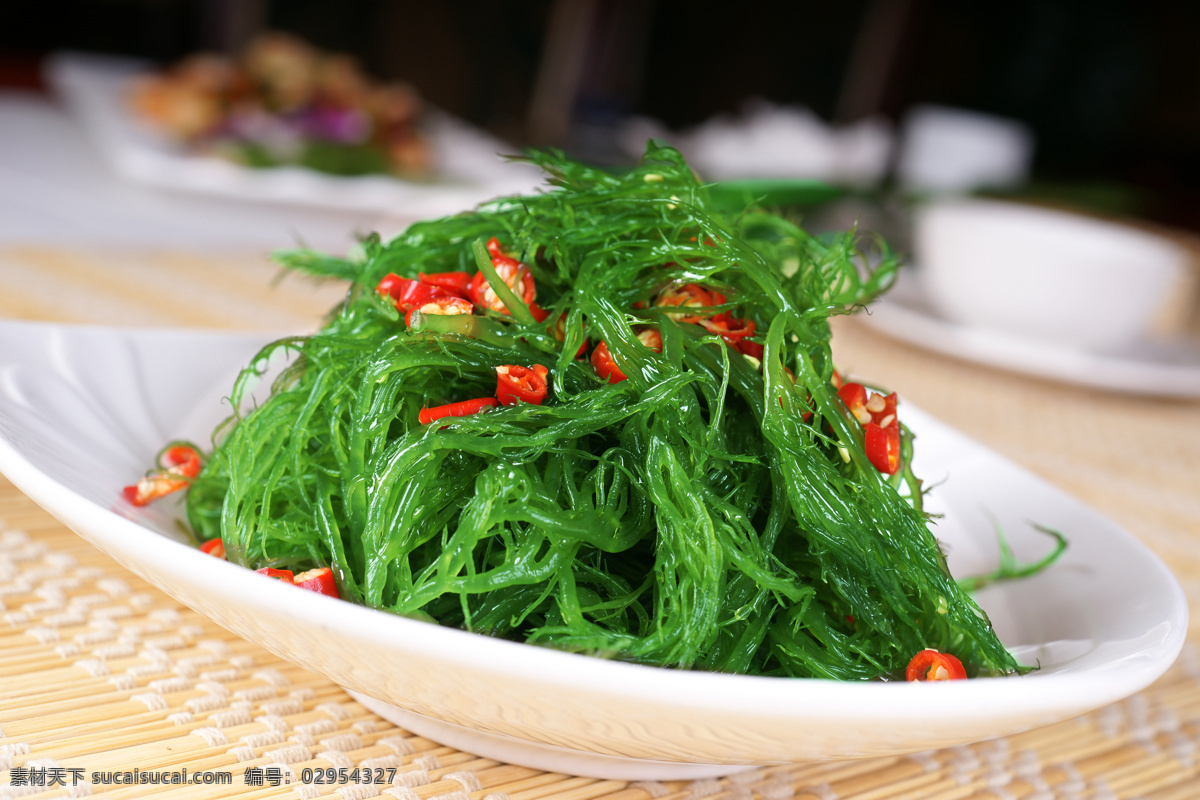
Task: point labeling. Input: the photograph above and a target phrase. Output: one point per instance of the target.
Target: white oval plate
(83, 410)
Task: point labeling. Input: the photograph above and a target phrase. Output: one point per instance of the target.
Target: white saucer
(1164, 369)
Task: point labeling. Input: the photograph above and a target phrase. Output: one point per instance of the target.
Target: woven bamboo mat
(99, 672)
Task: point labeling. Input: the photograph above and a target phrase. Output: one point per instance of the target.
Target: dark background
(1109, 88)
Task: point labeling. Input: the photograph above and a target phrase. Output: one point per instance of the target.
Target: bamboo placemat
(100, 672)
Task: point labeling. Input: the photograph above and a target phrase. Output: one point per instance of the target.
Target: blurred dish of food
(944, 149)
(765, 140)
(451, 164)
(283, 101)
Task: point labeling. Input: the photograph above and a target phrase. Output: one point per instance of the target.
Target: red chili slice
(854, 395)
(560, 333)
(752, 349)
(930, 665)
(407, 294)
(391, 285)
(214, 547)
(517, 384)
(881, 427)
(514, 274)
(284, 575)
(463, 408)
(180, 464)
(457, 282)
(883, 447)
(445, 306)
(606, 367)
(319, 580)
(691, 296)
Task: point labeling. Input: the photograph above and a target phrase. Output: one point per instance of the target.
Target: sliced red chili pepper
(319, 580)
(606, 367)
(284, 575)
(463, 408)
(406, 294)
(514, 274)
(881, 427)
(854, 395)
(517, 384)
(729, 328)
(390, 285)
(930, 665)
(444, 306)
(182, 459)
(752, 349)
(457, 282)
(691, 296)
(180, 463)
(560, 333)
(883, 447)
(214, 547)
(651, 338)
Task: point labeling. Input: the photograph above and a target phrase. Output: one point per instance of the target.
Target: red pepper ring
(560, 333)
(690, 296)
(514, 274)
(930, 665)
(463, 408)
(182, 459)
(881, 426)
(457, 282)
(180, 464)
(319, 580)
(284, 575)
(444, 306)
(854, 395)
(406, 294)
(214, 547)
(517, 384)
(749, 348)
(883, 446)
(606, 367)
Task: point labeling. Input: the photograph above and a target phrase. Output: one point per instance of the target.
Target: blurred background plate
(468, 167)
(1167, 367)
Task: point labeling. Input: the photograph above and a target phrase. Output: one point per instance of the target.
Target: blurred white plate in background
(1064, 278)
(1166, 368)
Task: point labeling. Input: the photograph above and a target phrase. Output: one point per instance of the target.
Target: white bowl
(83, 410)
(1044, 274)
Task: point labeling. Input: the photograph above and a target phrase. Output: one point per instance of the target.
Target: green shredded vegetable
(1009, 568)
(693, 516)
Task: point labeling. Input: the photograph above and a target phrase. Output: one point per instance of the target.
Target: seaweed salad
(603, 418)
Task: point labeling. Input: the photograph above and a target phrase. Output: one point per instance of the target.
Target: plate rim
(777, 698)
